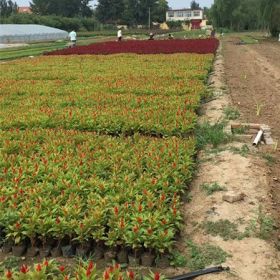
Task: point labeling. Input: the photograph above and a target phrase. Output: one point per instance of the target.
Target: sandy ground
(241, 76)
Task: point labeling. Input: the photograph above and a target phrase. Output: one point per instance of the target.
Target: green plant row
(107, 94)
(68, 185)
(83, 271)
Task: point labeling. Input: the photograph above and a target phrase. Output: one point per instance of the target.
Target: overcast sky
(172, 3)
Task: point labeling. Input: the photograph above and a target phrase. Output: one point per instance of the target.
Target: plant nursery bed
(200, 46)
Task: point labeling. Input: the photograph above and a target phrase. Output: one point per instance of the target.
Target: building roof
(23, 10)
(182, 10)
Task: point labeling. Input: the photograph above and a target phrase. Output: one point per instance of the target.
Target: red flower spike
(116, 210)
(140, 208)
(135, 229)
(117, 266)
(88, 272)
(106, 275)
(90, 265)
(157, 276)
(46, 263)
(61, 268)
(57, 220)
(139, 220)
(38, 267)
(131, 275)
(150, 231)
(24, 269)
(9, 274)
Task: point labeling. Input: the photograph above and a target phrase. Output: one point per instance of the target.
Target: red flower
(106, 275)
(157, 276)
(131, 275)
(38, 267)
(88, 272)
(81, 225)
(24, 269)
(57, 220)
(61, 268)
(46, 263)
(140, 208)
(139, 220)
(18, 225)
(9, 274)
(135, 229)
(116, 210)
(150, 231)
(122, 223)
(90, 265)
(162, 197)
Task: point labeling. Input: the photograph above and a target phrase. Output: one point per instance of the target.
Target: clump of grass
(211, 188)
(178, 260)
(231, 113)
(201, 256)
(224, 228)
(243, 151)
(263, 226)
(211, 134)
(269, 158)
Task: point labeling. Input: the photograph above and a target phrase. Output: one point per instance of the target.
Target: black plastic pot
(122, 256)
(147, 259)
(82, 250)
(56, 252)
(32, 252)
(19, 250)
(133, 261)
(45, 251)
(110, 256)
(68, 251)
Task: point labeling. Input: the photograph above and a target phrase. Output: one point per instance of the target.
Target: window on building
(180, 14)
(188, 14)
(171, 14)
(196, 13)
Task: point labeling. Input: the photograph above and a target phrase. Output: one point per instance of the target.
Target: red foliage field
(200, 46)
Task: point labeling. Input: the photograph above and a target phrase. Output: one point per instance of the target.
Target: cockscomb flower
(24, 269)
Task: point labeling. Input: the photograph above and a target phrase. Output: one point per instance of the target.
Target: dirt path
(253, 76)
(245, 76)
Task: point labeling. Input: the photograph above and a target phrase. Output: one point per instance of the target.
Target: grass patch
(178, 260)
(201, 256)
(231, 113)
(263, 226)
(211, 188)
(243, 151)
(207, 134)
(224, 228)
(269, 158)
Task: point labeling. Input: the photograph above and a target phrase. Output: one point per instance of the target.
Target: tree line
(247, 15)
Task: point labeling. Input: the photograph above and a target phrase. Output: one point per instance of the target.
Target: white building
(195, 17)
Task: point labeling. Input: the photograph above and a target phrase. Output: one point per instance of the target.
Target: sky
(175, 4)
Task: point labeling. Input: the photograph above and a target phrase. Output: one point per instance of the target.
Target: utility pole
(149, 18)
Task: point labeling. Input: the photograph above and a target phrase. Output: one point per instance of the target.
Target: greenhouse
(27, 33)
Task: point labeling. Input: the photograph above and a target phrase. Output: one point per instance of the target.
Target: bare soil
(246, 75)
(252, 74)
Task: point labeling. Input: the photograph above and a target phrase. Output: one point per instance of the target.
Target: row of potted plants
(201, 46)
(50, 270)
(68, 186)
(109, 95)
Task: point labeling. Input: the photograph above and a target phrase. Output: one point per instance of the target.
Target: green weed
(178, 260)
(243, 151)
(211, 134)
(210, 188)
(224, 228)
(231, 113)
(201, 256)
(262, 226)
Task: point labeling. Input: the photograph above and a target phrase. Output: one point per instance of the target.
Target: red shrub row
(200, 46)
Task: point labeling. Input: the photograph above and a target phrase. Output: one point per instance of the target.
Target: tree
(110, 11)
(7, 8)
(159, 14)
(65, 8)
(194, 5)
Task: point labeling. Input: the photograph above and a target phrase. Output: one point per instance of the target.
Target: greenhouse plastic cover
(25, 33)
